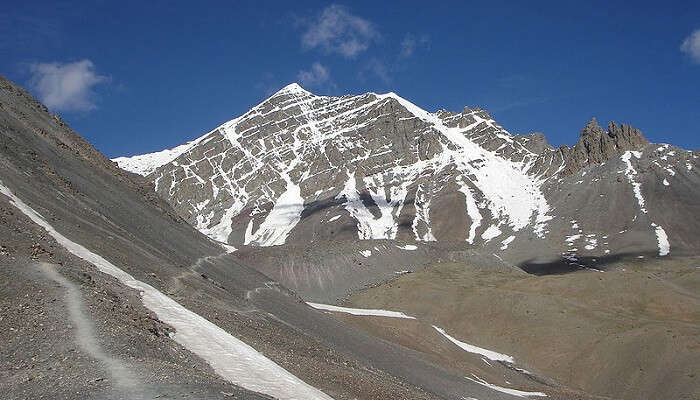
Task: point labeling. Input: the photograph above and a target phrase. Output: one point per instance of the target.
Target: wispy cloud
(336, 30)
(378, 69)
(410, 43)
(66, 86)
(318, 75)
(691, 46)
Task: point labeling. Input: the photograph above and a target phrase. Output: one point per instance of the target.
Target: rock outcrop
(597, 146)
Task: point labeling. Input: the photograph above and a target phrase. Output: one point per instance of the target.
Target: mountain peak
(592, 128)
(292, 88)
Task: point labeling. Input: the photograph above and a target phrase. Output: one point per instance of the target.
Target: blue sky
(135, 78)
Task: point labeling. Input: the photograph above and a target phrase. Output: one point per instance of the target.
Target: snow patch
(472, 211)
(491, 355)
(144, 164)
(571, 239)
(513, 392)
(283, 217)
(630, 172)
(662, 239)
(507, 242)
(360, 311)
(490, 233)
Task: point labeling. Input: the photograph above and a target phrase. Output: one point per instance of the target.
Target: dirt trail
(126, 385)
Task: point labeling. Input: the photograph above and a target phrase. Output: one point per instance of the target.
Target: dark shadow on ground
(567, 264)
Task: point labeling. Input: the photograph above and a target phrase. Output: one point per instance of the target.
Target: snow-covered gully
(230, 357)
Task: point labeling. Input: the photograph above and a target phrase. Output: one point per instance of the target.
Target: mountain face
(300, 168)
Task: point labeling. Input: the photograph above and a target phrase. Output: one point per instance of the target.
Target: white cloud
(317, 76)
(336, 30)
(408, 46)
(66, 86)
(411, 43)
(691, 46)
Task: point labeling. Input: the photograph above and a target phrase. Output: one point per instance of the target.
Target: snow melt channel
(231, 358)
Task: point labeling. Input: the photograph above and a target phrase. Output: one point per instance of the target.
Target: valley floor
(631, 332)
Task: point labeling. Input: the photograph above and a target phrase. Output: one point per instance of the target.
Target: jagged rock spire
(592, 128)
(595, 146)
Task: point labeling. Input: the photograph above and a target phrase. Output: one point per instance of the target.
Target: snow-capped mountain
(299, 168)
